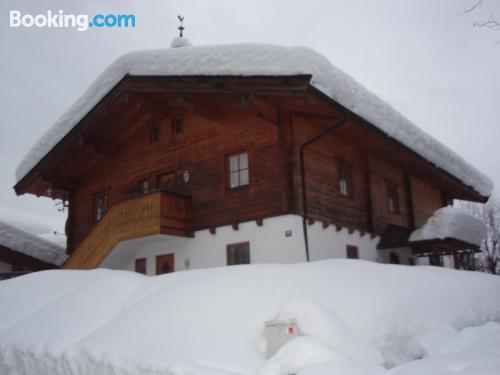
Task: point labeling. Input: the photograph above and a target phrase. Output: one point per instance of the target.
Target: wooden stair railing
(155, 213)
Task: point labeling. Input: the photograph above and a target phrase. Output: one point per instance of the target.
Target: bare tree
(491, 246)
(491, 22)
(489, 258)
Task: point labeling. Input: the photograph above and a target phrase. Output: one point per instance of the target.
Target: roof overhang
(257, 85)
(460, 191)
(260, 85)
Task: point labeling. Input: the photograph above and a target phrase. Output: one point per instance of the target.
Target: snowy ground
(356, 318)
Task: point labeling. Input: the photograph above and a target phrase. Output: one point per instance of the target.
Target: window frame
(343, 164)
(95, 196)
(141, 185)
(393, 196)
(227, 161)
(173, 125)
(349, 248)
(238, 246)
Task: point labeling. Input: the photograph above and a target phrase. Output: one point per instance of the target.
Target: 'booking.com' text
(81, 22)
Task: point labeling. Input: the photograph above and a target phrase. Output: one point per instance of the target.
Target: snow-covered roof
(266, 60)
(28, 244)
(451, 222)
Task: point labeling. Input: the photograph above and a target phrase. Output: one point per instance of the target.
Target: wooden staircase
(156, 213)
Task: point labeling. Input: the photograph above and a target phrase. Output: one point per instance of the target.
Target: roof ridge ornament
(181, 27)
(180, 41)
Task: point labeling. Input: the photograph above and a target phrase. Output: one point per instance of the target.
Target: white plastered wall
(279, 240)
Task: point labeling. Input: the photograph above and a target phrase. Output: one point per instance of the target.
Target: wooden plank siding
(426, 199)
(366, 208)
(201, 149)
(324, 199)
(269, 118)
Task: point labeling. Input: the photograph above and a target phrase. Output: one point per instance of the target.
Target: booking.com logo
(82, 22)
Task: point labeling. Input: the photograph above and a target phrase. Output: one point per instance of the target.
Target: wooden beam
(264, 85)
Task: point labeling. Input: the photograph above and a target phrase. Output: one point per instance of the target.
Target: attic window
(177, 124)
(238, 170)
(154, 134)
(344, 176)
(392, 198)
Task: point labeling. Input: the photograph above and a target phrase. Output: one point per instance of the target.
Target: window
(144, 186)
(352, 252)
(100, 205)
(392, 198)
(177, 125)
(140, 265)
(238, 170)
(436, 259)
(154, 134)
(394, 258)
(344, 170)
(238, 253)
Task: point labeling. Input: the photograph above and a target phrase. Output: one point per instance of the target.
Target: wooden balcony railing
(155, 213)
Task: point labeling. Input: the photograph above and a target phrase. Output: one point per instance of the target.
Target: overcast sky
(422, 56)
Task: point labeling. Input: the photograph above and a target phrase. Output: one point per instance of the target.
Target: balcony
(155, 213)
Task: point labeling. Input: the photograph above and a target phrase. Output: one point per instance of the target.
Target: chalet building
(193, 157)
(22, 252)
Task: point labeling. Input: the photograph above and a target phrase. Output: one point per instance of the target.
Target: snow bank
(295, 355)
(451, 222)
(474, 351)
(268, 60)
(211, 321)
(34, 246)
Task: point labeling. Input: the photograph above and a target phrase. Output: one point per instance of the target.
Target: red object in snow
(290, 331)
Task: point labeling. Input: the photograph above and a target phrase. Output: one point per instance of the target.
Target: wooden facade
(174, 135)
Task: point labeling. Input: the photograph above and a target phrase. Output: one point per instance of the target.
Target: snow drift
(355, 315)
(267, 60)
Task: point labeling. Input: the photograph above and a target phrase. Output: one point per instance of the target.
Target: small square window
(239, 174)
(238, 253)
(140, 265)
(352, 252)
(177, 125)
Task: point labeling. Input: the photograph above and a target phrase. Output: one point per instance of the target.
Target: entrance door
(165, 264)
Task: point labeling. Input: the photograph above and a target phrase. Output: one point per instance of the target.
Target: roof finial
(181, 28)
